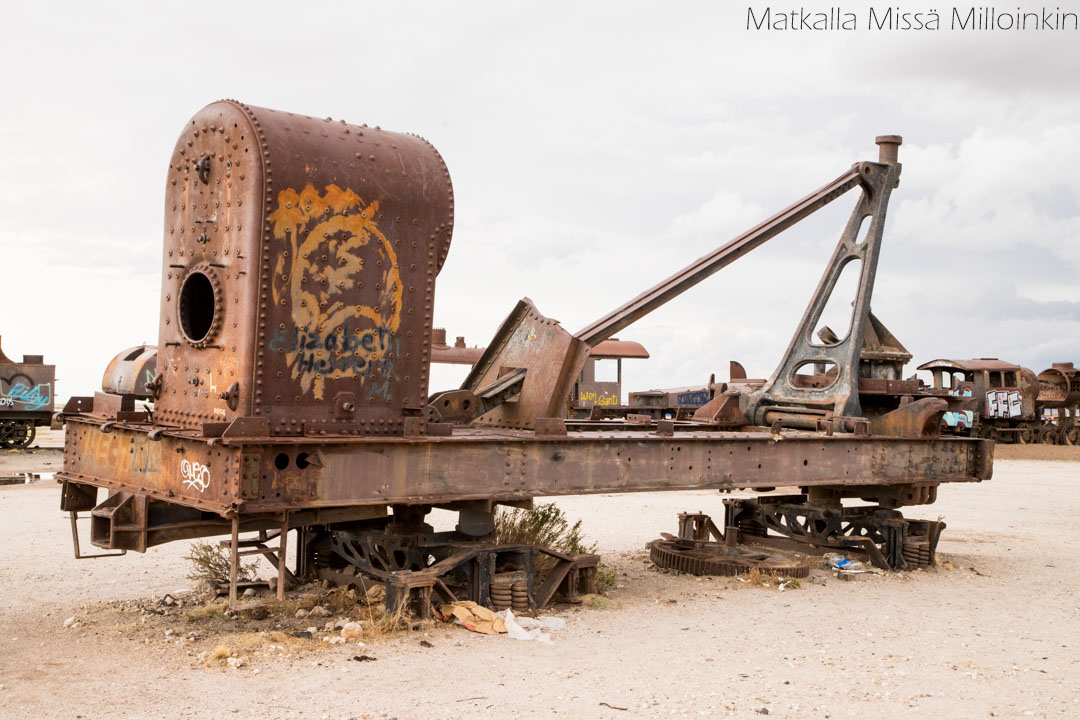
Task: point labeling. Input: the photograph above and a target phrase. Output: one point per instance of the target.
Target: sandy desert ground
(997, 635)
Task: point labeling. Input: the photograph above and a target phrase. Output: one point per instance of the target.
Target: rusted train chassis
(363, 500)
(291, 386)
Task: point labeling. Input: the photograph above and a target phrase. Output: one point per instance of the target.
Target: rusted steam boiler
(290, 391)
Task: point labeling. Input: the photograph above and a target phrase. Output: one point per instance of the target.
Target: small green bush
(545, 525)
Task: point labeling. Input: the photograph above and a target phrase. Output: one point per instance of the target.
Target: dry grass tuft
(210, 562)
(758, 578)
(219, 654)
(599, 602)
(206, 613)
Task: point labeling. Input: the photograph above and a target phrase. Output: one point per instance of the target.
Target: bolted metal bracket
(202, 169)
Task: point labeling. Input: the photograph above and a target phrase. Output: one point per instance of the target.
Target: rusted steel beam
(271, 476)
(707, 265)
(859, 246)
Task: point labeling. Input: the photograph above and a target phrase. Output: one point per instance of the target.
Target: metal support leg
(258, 547)
(234, 560)
(75, 539)
(282, 569)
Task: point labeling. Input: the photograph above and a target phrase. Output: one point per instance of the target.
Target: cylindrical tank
(131, 371)
(299, 273)
(1059, 386)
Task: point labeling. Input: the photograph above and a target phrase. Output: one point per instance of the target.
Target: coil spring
(916, 552)
(510, 595)
(751, 526)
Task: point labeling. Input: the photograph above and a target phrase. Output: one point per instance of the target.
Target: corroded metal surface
(710, 558)
(1059, 386)
(1009, 402)
(291, 384)
(300, 262)
(552, 356)
(496, 464)
(27, 391)
(132, 372)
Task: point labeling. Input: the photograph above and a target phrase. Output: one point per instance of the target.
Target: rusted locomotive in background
(1002, 401)
(1012, 403)
(290, 388)
(27, 391)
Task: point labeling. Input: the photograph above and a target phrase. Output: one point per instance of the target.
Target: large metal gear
(696, 557)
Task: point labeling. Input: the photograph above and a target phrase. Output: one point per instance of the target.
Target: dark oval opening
(197, 306)
(281, 461)
(302, 460)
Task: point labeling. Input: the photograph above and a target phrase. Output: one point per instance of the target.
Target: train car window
(995, 378)
(1010, 379)
(606, 370)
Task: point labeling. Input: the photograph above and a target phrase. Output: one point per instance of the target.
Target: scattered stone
(320, 611)
(235, 662)
(302, 613)
(337, 640)
(272, 583)
(340, 623)
(206, 588)
(819, 579)
(169, 632)
(249, 593)
(70, 622)
(302, 634)
(168, 600)
(259, 613)
(426, 644)
(363, 658)
(352, 631)
(762, 711)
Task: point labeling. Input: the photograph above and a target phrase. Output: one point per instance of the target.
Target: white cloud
(595, 148)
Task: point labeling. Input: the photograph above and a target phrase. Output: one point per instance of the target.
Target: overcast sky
(594, 148)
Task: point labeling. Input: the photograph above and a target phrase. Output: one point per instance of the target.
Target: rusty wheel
(1070, 435)
(706, 558)
(1048, 435)
(17, 435)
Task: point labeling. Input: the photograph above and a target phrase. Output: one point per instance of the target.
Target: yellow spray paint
(329, 237)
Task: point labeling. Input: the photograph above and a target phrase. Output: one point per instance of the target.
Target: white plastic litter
(528, 623)
(513, 628)
(552, 624)
(526, 628)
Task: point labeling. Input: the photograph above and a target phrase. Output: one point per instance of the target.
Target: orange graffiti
(330, 237)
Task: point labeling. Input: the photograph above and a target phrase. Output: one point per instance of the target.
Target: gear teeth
(715, 559)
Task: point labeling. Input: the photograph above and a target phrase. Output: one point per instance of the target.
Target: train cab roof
(972, 365)
(616, 348)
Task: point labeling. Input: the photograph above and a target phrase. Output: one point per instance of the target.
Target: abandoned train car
(290, 391)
